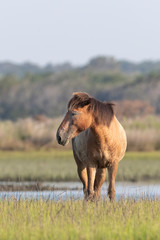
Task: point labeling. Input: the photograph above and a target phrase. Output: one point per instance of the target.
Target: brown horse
(98, 141)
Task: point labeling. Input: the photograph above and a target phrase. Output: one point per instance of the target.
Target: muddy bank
(39, 186)
(74, 186)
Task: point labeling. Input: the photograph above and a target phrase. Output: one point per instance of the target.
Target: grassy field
(59, 165)
(78, 220)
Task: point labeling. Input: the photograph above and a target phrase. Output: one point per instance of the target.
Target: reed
(143, 134)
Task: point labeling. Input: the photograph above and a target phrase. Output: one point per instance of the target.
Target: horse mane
(103, 112)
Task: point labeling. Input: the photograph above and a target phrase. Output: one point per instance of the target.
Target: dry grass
(143, 140)
(143, 134)
(27, 134)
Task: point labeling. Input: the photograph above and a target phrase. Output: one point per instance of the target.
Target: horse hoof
(90, 198)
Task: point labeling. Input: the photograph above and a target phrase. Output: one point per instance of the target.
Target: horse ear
(85, 103)
(82, 98)
(81, 95)
(79, 99)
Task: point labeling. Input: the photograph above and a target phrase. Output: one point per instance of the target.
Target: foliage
(31, 90)
(133, 108)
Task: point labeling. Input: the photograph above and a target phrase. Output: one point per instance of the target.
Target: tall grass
(78, 220)
(27, 134)
(143, 134)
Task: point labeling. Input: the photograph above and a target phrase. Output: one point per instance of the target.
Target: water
(123, 190)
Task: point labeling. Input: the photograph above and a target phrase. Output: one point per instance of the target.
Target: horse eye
(75, 113)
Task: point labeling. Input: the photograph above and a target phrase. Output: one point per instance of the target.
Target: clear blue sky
(56, 31)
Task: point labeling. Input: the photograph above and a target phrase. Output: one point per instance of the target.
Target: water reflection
(123, 190)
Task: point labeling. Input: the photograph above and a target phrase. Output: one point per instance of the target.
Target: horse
(98, 142)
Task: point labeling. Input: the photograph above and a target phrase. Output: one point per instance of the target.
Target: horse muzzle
(62, 137)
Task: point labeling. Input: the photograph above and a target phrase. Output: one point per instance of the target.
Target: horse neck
(101, 133)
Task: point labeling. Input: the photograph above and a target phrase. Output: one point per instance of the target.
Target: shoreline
(65, 186)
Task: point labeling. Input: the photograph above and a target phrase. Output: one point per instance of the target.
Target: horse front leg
(99, 180)
(82, 172)
(91, 171)
(112, 171)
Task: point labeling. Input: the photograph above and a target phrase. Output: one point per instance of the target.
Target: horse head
(77, 119)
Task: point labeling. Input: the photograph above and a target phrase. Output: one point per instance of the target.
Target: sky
(57, 31)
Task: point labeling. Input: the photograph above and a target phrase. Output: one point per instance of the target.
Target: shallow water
(67, 191)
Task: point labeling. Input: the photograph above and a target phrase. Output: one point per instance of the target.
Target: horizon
(78, 65)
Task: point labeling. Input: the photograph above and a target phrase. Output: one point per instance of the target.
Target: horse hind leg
(112, 171)
(99, 180)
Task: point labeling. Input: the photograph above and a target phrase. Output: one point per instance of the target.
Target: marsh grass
(78, 220)
(27, 134)
(143, 134)
(37, 166)
(59, 165)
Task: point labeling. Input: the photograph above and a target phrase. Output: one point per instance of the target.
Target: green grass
(59, 165)
(139, 166)
(37, 166)
(78, 220)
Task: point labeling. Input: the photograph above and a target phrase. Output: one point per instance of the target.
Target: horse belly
(123, 142)
(117, 145)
